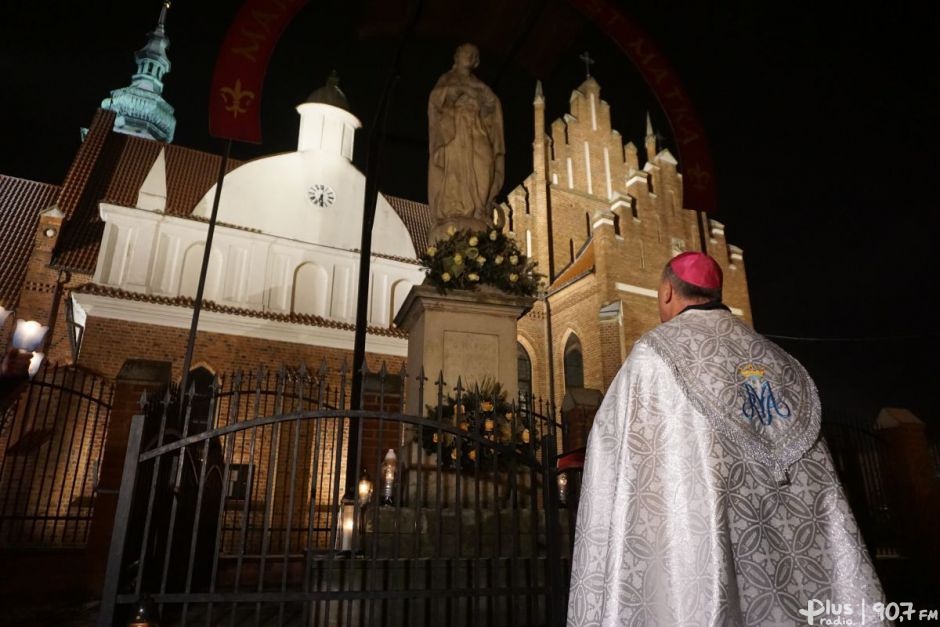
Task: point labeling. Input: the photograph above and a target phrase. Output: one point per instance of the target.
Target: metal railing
(859, 456)
(233, 512)
(51, 444)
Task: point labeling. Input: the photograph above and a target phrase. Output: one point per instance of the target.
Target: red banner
(235, 98)
(694, 155)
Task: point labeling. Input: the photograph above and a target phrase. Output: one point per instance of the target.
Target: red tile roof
(417, 219)
(111, 167)
(21, 201)
(85, 160)
(208, 305)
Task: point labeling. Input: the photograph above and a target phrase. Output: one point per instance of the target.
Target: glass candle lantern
(563, 488)
(34, 362)
(389, 477)
(365, 488)
(29, 335)
(346, 525)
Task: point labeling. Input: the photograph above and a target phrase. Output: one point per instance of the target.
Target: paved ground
(60, 615)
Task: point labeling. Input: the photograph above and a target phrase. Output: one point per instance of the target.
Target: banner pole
(197, 305)
(376, 141)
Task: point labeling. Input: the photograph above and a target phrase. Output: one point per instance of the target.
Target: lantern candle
(347, 525)
(389, 471)
(563, 488)
(29, 335)
(365, 488)
(34, 362)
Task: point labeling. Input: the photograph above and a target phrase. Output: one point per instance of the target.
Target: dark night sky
(820, 123)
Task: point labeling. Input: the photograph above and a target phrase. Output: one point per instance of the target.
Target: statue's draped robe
(465, 127)
(705, 503)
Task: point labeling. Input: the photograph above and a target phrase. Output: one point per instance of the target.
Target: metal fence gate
(50, 449)
(859, 456)
(233, 511)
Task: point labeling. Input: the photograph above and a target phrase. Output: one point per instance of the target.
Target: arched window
(192, 265)
(400, 292)
(574, 363)
(201, 381)
(310, 290)
(525, 371)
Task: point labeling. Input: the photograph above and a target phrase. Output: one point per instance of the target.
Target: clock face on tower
(321, 195)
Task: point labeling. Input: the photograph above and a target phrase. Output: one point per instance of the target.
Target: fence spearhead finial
(143, 400)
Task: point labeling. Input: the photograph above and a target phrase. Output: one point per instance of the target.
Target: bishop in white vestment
(708, 496)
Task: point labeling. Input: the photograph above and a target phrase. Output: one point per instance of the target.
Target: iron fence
(233, 511)
(859, 456)
(51, 443)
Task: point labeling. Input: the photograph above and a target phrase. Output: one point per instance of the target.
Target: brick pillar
(914, 488)
(136, 377)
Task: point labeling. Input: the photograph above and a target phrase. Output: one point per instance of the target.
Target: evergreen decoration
(484, 412)
(467, 259)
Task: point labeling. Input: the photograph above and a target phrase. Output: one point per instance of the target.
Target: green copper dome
(140, 108)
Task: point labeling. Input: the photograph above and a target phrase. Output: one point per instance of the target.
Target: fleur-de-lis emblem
(700, 177)
(236, 99)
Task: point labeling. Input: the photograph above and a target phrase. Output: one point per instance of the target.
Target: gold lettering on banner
(261, 25)
(249, 50)
(264, 20)
(237, 99)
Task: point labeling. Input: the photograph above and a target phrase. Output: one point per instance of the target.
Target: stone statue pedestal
(471, 335)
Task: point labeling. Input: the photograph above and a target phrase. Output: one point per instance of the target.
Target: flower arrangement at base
(467, 259)
(485, 413)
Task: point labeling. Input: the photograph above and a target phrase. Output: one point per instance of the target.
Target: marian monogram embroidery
(759, 401)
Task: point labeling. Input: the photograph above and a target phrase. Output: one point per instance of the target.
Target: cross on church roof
(588, 62)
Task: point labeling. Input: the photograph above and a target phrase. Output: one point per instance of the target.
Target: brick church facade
(109, 258)
(602, 224)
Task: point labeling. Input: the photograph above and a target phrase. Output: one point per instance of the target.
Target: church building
(602, 224)
(110, 258)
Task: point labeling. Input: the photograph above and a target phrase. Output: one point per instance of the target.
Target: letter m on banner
(235, 98)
